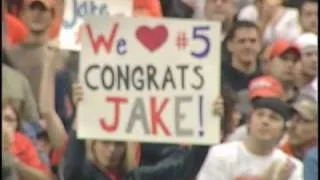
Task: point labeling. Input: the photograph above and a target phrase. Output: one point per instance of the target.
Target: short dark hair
(303, 2)
(229, 102)
(238, 25)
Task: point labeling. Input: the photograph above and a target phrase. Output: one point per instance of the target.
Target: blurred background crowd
(269, 50)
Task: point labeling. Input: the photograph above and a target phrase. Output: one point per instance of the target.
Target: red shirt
(24, 150)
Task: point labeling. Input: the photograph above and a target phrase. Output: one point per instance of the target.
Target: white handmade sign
(76, 10)
(150, 80)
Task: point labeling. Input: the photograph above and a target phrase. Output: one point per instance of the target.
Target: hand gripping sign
(149, 80)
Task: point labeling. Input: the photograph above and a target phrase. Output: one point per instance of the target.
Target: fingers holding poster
(76, 10)
(140, 85)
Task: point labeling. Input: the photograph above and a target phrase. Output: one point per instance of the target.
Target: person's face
(309, 62)
(245, 45)
(10, 117)
(282, 68)
(37, 17)
(301, 130)
(109, 154)
(309, 17)
(219, 10)
(266, 125)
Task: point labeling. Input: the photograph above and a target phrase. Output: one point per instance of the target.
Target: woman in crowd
(231, 115)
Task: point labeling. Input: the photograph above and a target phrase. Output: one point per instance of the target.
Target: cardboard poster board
(149, 80)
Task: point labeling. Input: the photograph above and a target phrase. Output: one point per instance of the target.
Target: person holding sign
(116, 160)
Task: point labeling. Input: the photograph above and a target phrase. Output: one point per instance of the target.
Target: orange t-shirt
(147, 8)
(286, 148)
(25, 151)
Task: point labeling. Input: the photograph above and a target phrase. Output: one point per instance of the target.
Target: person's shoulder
(13, 49)
(279, 154)
(225, 150)
(291, 11)
(222, 154)
(290, 14)
(239, 134)
(312, 153)
(13, 73)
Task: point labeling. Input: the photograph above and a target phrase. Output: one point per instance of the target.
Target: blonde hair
(130, 161)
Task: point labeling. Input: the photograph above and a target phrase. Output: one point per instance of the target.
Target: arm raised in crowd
(56, 132)
(75, 159)
(29, 110)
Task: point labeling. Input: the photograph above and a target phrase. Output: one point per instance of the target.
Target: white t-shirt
(314, 85)
(232, 161)
(239, 134)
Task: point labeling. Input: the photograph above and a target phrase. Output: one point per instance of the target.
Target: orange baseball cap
(265, 87)
(281, 46)
(47, 3)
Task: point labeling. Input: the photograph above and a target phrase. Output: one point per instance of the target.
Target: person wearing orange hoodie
(147, 8)
(13, 30)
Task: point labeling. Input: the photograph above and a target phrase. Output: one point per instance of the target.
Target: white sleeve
(291, 29)
(214, 167)
(297, 174)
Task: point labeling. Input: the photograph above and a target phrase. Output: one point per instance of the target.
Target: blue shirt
(311, 164)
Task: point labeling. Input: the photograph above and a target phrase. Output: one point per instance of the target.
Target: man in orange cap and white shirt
(263, 86)
(257, 156)
(280, 64)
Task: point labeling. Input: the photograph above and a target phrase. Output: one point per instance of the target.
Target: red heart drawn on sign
(152, 38)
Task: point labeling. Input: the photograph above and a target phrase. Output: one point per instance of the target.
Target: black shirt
(235, 79)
